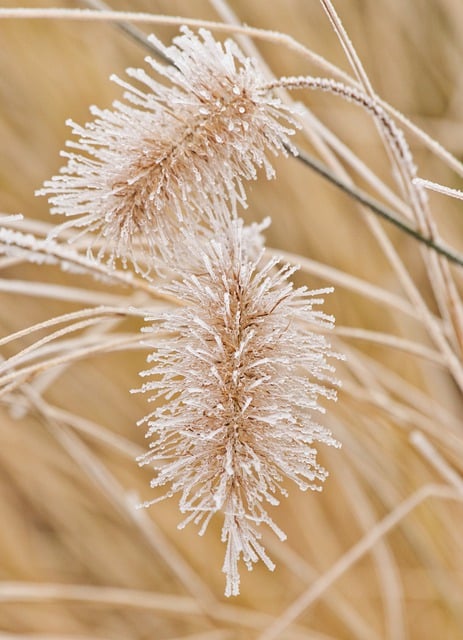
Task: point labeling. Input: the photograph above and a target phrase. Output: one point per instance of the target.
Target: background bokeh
(68, 476)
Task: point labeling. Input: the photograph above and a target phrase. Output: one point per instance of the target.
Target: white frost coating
(11, 217)
(28, 247)
(237, 414)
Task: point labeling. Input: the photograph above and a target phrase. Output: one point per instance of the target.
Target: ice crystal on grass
(236, 384)
(171, 155)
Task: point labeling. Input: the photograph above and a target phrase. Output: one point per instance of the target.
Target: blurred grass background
(66, 496)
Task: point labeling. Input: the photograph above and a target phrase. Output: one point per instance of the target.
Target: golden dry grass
(379, 553)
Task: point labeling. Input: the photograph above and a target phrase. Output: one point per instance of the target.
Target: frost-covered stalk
(171, 155)
(236, 386)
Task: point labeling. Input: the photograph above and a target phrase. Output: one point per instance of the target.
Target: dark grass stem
(129, 30)
(377, 207)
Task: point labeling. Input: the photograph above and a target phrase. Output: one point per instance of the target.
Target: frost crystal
(236, 385)
(172, 154)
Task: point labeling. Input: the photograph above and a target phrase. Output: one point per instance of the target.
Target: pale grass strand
(455, 306)
(10, 261)
(217, 634)
(439, 188)
(64, 255)
(386, 566)
(428, 451)
(20, 356)
(378, 373)
(441, 152)
(352, 160)
(356, 552)
(366, 85)
(228, 16)
(391, 341)
(447, 297)
(15, 378)
(7, 218)
(97, 432)
(149, 18)
(346, 280)
(374, 468)
(65, 293)
(348, 47)
(40, 228)
(162, 603)
(45, 379)
(45, 636)
(105, 482)
(340, 606)
(357, 369)
(44, 351)
(86, 346)
(403, 415)
(41, 382)
(69, 317)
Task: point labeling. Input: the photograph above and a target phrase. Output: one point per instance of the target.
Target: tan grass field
(378, 554)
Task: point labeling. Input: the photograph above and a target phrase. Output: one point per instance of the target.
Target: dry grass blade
(354, 554)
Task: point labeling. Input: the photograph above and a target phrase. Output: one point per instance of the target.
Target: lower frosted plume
(236, 378)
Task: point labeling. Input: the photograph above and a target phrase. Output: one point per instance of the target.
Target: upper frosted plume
(171, 155)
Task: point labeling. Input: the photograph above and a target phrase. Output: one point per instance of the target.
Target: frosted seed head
(242, 378)
(170, 152)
